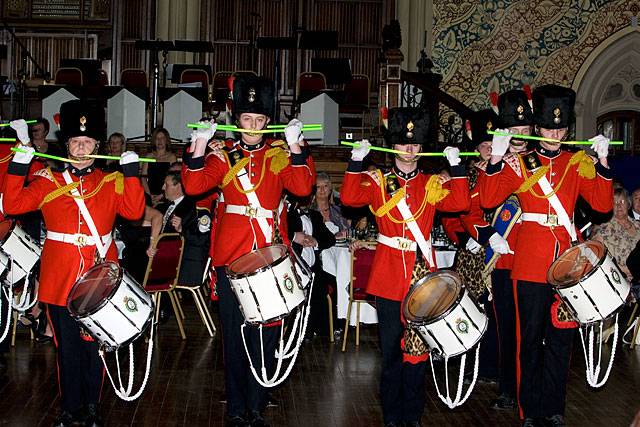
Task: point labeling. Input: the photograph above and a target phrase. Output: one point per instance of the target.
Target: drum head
(257, 260)
(432, 297)
(576, 263)
(93, 289)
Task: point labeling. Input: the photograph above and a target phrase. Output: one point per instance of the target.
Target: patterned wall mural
(494, 45)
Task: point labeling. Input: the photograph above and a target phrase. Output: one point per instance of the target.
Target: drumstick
(46, 156)
(541, 138)
(390, 150)
(8, 140)
(231, 128)
(103, 156)
(9, 124)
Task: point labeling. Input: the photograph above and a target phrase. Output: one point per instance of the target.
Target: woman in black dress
(153, 174)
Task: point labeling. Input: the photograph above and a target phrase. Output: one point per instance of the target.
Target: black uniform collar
(81, 172)
(548, 153)
(247, 147)
(405, 176)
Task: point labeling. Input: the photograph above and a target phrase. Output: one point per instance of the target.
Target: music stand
(337, 71)
(194, 46)
(154, 46)
(278, 44)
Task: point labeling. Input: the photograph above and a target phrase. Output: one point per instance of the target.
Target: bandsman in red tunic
(252, 172)
(404, 200)
(547, 181)
(70, 248)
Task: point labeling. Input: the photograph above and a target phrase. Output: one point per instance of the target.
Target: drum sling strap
(252, 197)
(86, 215)
(563, 217)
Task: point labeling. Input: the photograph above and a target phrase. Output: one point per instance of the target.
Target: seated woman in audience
(115, 146)
(325, 204)
(153, 174)
(621, 233)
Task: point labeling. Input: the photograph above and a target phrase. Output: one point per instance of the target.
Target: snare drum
(589, 281)
(110, 305)
(269, 283)
(440, 309)
(22, 250)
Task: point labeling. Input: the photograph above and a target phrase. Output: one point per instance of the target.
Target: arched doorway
(608, 89)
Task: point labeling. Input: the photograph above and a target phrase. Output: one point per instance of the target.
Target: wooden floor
(326, 388)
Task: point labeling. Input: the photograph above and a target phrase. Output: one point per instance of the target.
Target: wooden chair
(357, 101)
(197, 291)
(133, 78)
(330, 291)
(361, 262)
(69, 76)
(310, 84)
(220, 90)
(192, 75)
(162, 273)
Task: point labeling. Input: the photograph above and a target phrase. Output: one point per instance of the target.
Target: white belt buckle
(552, 220)
(251, 211)
(80, 240)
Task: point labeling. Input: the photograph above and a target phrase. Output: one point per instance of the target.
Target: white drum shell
(24, 254)
(599, 295)
(271, 293)
(456, 332)
(123, 317)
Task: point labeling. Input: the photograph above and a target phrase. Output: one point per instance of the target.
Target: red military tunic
(63, 263)
(537, 246)
(391, 271)
(235, 233)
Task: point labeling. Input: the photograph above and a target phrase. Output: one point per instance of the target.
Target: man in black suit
(181, 216)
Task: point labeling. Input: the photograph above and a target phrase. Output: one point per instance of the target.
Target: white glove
(500, 143)
(600, 145)
(22, 130)
(129, 157)
(24, 158)
(205, 133)
(499, 244)
(293, 132)
(473, 246)
(360, 152)
(453, 155)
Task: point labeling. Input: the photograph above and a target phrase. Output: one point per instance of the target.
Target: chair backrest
(103, 78)
(69, 76)
(220, 89)
(192, 75)
(163, 269)
(311, 81)
(361, 262)
(357, 91)
(133, 77)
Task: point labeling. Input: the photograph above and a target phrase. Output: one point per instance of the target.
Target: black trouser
(544, 353)
(505, 312)
(489, 353)
(80, 369)
(319, 316)
(244, 394)
(401, 384)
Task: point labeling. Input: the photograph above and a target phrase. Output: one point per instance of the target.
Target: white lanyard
(84, 212)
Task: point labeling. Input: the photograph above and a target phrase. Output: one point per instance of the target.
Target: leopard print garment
(563, 314)
(413, 343)
(470, 268)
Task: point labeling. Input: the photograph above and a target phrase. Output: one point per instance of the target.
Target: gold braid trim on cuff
(65, 190)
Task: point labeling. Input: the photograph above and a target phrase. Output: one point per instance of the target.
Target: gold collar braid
(433, 194)
(280, 161)
(66, 189)
(586, 169)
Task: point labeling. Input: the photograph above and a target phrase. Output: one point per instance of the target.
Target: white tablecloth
(337, 262)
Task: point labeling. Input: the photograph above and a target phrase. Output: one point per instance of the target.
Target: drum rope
(457, 401)
(282, 353)
(592, 371)
(7, 292)
(121, 392)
